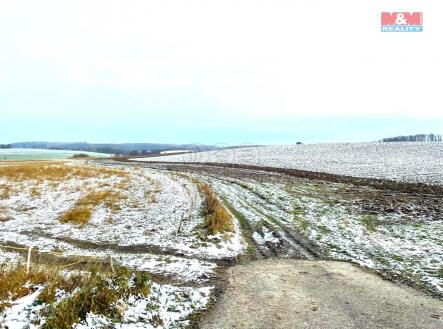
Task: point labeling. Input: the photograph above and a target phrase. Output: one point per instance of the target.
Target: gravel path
(318, 294)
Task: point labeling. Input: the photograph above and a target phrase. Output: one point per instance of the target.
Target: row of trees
(415, 138)
(5, 146)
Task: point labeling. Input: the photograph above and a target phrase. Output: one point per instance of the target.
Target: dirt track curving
(289, 286)
(318, 294)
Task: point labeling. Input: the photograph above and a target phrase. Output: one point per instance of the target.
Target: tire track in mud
(130, 249)
(284, 243)
(273, 236)
(166, 263)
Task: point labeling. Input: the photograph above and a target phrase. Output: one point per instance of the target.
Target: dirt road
(277, 293)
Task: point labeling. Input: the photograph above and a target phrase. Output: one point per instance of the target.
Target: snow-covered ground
(154, 223)
(156, 211)
(175, 151)
(409, 162)
(166, 306)
(397, 235)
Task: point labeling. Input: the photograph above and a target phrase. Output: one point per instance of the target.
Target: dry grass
(218, 219)
(154, 187)
(152, 198)
(78, 215)
(54, 171)
(123, 184)
(6, 191)
(97, 292)
(150, 195)
(4, 214)
(109, 198)
(35, 192)
(81, 213)
(157, 187)
(13, 283)
(29, 176)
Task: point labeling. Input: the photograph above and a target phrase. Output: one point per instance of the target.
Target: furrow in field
(397, 234)
(269, 222)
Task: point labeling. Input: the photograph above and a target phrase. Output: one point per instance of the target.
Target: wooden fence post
(28, 264)
(112, 263)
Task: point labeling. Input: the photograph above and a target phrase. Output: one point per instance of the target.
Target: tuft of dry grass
(4, 214)
(123, 184)
(157, 187)
(6, 191)
(107, 197)
(35, 192)
(218, 219)
(150, 195)
(79, 215)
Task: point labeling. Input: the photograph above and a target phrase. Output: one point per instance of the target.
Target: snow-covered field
(146, 220)
(409, 162)
(399, 236)
(43, 154)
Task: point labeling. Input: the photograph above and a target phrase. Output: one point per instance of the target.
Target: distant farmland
(403, 162)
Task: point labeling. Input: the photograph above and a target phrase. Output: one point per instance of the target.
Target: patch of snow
(166, 307)
(21, 313)
(175, 151)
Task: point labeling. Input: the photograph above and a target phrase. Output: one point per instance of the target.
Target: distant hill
(414, 138)
(125, 148)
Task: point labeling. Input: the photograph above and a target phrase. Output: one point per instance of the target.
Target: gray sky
(217, 71)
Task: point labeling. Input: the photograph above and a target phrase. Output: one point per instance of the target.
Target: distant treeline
(5, 146)
(123, 149)
(415, 138)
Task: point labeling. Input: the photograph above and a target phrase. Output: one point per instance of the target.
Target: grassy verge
(218, 219)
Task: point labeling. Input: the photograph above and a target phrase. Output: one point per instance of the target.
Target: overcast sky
(225, 72)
